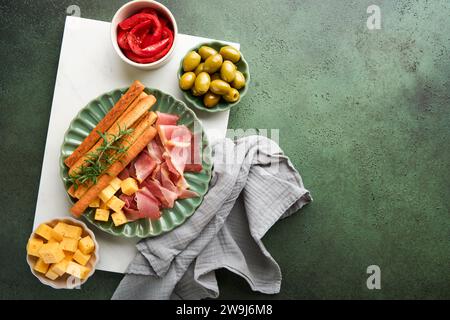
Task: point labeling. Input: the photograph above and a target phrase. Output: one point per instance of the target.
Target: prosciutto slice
(166, 118)
(165, 196)
(147, 204)
(144, 166)
(155, 150)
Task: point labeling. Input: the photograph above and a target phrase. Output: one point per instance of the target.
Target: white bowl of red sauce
(144, 33)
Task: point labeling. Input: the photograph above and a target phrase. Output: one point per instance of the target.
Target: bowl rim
(113, 33)
(188, 96)
(95, 254)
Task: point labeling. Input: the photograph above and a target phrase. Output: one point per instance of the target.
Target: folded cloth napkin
(223, 232)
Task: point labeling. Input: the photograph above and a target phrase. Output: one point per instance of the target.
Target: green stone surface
(363, 115)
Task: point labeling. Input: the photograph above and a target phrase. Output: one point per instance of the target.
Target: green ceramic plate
(197, 102)
(88, 118)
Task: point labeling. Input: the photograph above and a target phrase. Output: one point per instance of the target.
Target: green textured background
(364, 116)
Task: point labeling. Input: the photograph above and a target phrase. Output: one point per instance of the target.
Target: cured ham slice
(155, 150)
(147, 204)
(166, 118)
(165, 179)
(165, 132)
(186, 194)
(165, 196)
(144, 166)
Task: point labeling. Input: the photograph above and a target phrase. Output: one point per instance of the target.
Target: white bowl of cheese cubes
(62, 253)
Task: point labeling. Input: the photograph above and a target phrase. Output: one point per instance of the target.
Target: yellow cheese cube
(73, 232)
(107, 193)
(77, 270)
(44, 231)
(61, 228)
(60, 267)
(95, 203)
(41, 266)
(57, 235)
(101, 214)
(51, 253)
(68, 231)
(69, 244)
(86, 245)
(51, 275)
(115, 183)
(129, 186)
(33, 246)
(116, 204)
(81, 258)
(119, 218)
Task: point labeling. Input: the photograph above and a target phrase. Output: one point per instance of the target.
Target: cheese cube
(33, 246)
(73, 232)
(115, 183)
(41, 266)
(51, 253)
(129, 186)
(58, 236)
(116, 204)
(86, 245)
(68, 231)
(51, 275)
(61, 228)
(102, 215)
(60, 267)
(119, 218)
(77, 270)
(44, 231)
(69, 244)
(81, 258)
(107, 193)
(95, 203)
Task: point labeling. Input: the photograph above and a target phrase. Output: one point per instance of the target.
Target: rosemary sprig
(97, 162)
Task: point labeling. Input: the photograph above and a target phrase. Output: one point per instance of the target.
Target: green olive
(210, 99)
(239, 81)
(194, 92)
(187, 80)
(219, 87)
(215, 76)
(191, 61)
(227, 71)
(232, 95)
(213, 63)
(202, 83)
(230, 53)
(199, 68)
(205, 52)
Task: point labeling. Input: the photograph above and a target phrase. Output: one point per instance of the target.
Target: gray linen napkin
(223, 232)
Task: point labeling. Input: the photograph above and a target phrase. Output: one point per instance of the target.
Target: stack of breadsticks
(131, 111)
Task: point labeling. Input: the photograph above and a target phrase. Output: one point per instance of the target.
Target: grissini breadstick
(132, 93)
(81, 205)
(146, 121)
(125, 121)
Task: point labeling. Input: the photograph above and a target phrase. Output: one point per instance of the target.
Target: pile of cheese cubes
(61, 250)
(107, 201)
